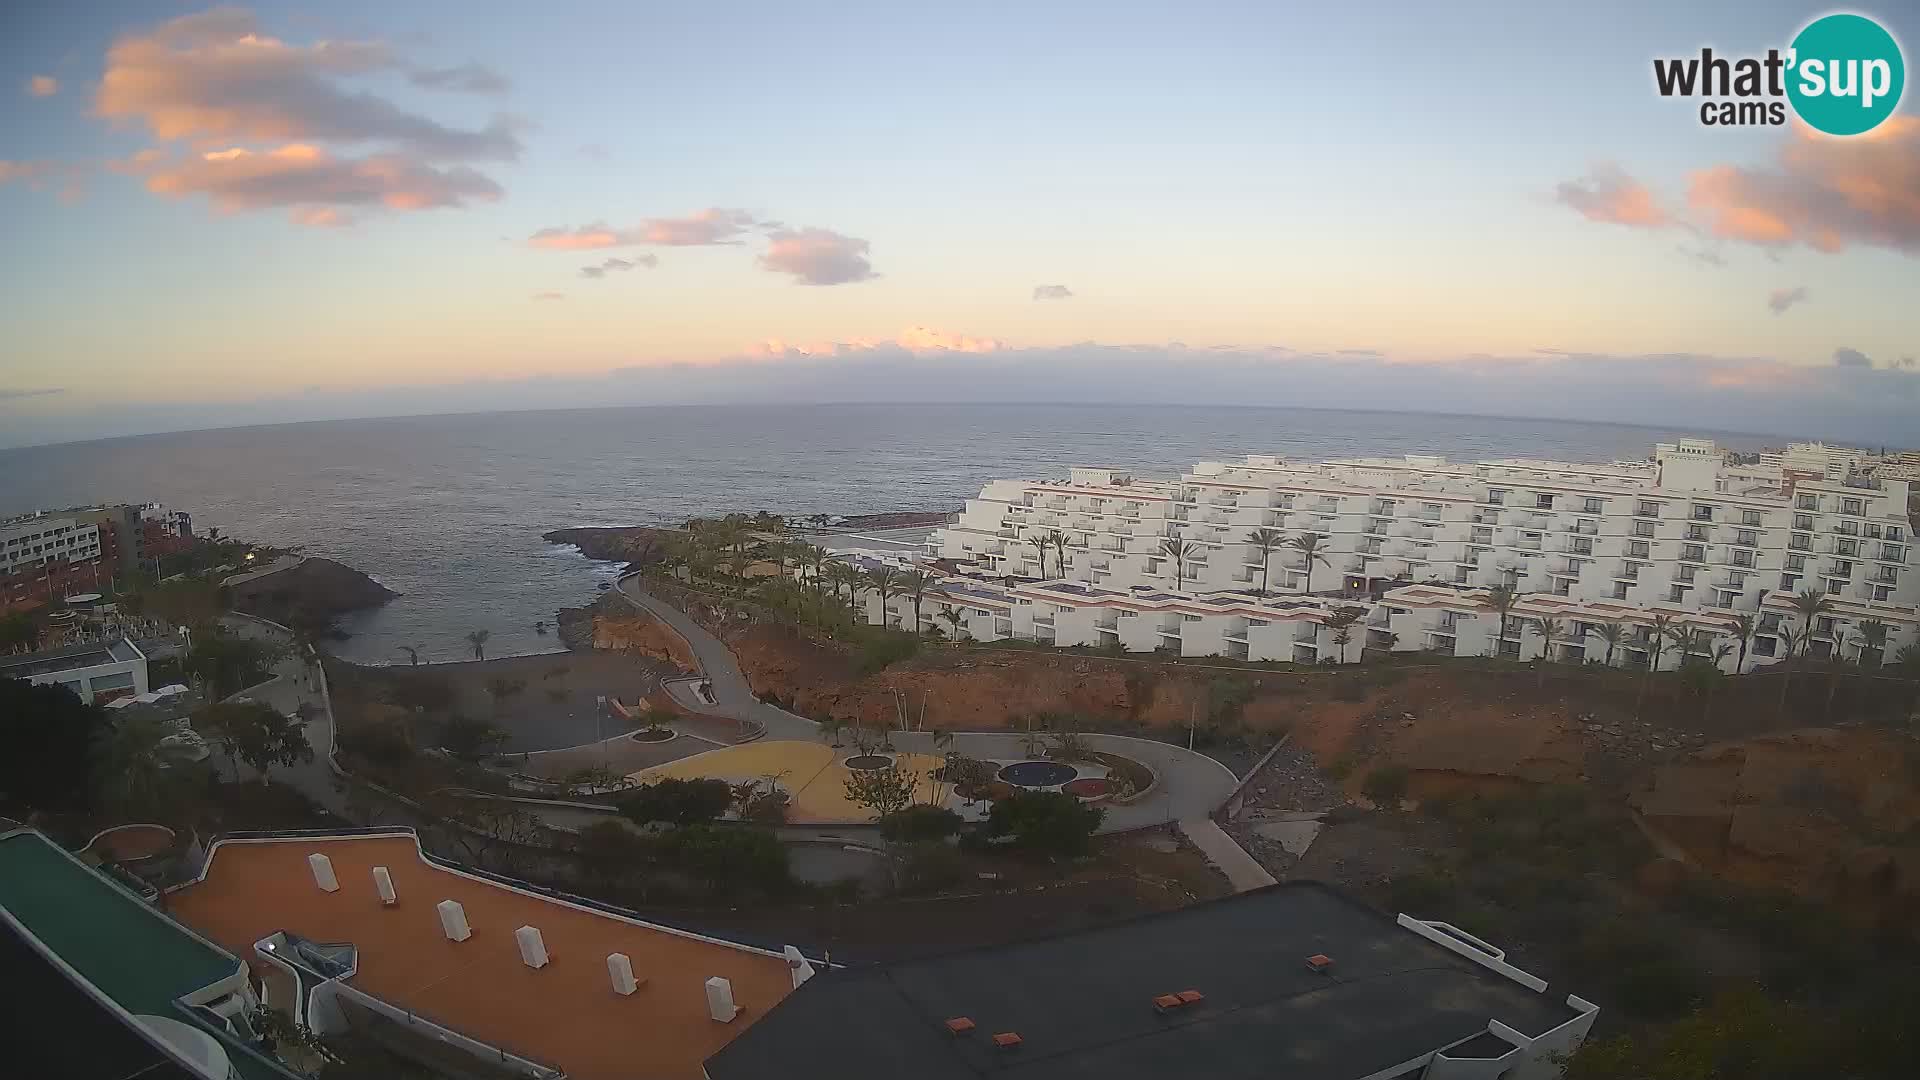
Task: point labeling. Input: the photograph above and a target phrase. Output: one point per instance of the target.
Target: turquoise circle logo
(1846, 74)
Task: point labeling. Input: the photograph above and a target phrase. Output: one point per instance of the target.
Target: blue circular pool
(1038, 774)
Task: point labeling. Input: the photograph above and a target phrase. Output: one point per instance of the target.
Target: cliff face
(317, 590)
(635, 545)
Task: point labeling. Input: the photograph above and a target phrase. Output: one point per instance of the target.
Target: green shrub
(882, 648)
(1045, 822)
(1385, 785)
(677, 802)
(919, 824)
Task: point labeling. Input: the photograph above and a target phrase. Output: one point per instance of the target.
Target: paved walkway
(296, 682)
(1228, 857)
(1191, 784)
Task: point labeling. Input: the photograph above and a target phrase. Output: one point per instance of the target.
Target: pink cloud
(706, 227)
(1825, 193)
(1607, 194)
(818, 257)
(43, 86)
(310, 179)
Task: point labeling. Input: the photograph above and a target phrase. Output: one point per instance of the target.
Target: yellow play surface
(811, 773)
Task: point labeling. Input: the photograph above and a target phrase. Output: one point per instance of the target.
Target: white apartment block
(27, 544)
(1415, 543)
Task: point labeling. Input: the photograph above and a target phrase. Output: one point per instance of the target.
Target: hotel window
(1808, 502)
(1683, 573)
(1883, 592)
(1746, 538)
(1543, 502)
(1593, 506)
(1582, 545)
(1894, 533)
(1189, 618)
(1460, 575)
(1824, 626)
(1696, 532)
(1619, 590)
(1847, 528)
(1789, 582)
(1800, 542)
(1647, 509)
(1846, 547)
(1841, 569)
(1743, 558)
(1497, 496)
(1851, 506)
(1803, 521)
(1693, 553)
(1893, 553)
(1677, 594)
(1702, 512)
(1643, 528)
(1637, 548)
(1725, 599)
(1749, 517)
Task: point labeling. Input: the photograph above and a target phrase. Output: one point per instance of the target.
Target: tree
(1613, 633)
(1308, 545)
(257, 734)
(1872, 640)
(1744, 624)
(1266, 540)
(132, 775)
(1179, 551)
(1040, 543)
(1660, 630)
(1059, 541)
(814, 558)
(883, 791)
(612, 852)
(1549, 630)
(478, 639)
(885, 580)
(831, 727)
(18, 631)
(1341, 622)
(677, 802)
(48, 735)
(227, 662)
(955, 621)
(1501, 598)
(915, 584)
(1045, 822)
(1810, 605)
(727, 859)
(413, 655)
(469, 739)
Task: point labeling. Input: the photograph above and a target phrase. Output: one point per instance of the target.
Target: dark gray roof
(1082, 1003)
(52, 1027)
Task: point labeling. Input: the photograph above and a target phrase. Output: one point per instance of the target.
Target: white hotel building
(1417, 541)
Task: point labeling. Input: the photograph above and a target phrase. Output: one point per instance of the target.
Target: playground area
(815, 777)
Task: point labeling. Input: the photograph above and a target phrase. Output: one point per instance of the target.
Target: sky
(236, 215)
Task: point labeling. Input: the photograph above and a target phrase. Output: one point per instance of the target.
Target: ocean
(448, 510)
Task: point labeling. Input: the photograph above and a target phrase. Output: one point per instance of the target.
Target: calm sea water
(448, 510)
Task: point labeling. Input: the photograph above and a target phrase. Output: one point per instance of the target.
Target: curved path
(1191, 785)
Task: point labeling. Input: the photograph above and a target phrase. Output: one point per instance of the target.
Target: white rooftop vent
(720, 1004)
(620, 970)
(383, 884)
(533, 949)
(800, 967)
(322, 868)
(453, 919)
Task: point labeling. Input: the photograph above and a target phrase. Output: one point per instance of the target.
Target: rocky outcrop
(635, 545)
(639, 632)
(316, 591)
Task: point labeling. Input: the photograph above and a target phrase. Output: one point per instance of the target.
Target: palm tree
(1308, 545)
(1059, 541)
(842, 574)
(1613, 633)
(413, 655)
(1550, 630)
(1501, 598)
(133, 778)
(884, 579)
(1786, 663)
(1744, 624)
(815, 558)
(915, 584)
(1662, 627)
(1040, 544)
(1341, 622)
(954, 621)
(1810, 604)
(1179, 551)
(478, 639)
(1872, 639)
(1266, 540)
